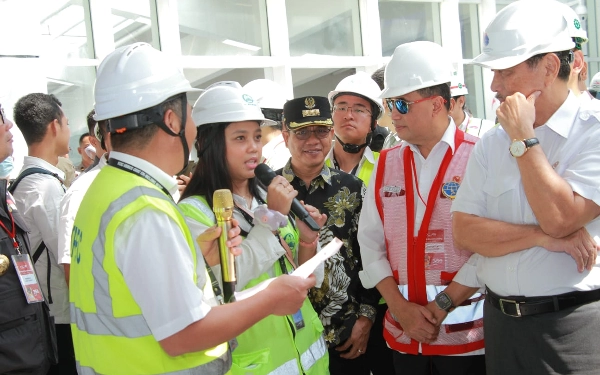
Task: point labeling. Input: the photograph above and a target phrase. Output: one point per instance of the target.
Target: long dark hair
(211, 172)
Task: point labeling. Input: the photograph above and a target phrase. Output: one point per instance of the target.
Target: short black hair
(378, 77)
(91, 123)
(565, 57)
(82, 137)
(33, 113)
(138, 138)
(442, 90)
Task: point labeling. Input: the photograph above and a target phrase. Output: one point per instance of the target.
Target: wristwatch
(443, 301)
(518, 148)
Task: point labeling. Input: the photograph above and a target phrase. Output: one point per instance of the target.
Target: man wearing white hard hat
(594, 88)
(529, 203)
(142, 298)
(356, 107)
(405, 227)
(270, 98)
(462, 118)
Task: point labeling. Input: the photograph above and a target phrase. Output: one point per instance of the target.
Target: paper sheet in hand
(304, 271)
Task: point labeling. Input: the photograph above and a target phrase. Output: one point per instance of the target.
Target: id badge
(29, 282)
(298, 320)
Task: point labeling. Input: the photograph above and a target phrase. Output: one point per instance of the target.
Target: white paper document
(304, 271)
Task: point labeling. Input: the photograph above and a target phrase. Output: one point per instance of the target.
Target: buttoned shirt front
(492, 189)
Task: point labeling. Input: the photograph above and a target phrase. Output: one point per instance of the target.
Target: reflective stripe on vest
(315, 352)
(364, 171)
(108, 320)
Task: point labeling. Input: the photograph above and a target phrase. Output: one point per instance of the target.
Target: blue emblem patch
(449, 189)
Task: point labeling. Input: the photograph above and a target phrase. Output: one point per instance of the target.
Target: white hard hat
(595, 82)
(458, 89)
(361, 84)
(573, 23)
(267, 93)
(521, 30)
(415, 66)
(136, 77)
(224, 103)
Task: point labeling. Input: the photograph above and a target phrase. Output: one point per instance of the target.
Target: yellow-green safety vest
(273, 346)
(365, 171)
(110, 334)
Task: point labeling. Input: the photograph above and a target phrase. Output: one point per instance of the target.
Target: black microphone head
(264, 173)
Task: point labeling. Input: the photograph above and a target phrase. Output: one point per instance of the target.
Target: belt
(523, 306)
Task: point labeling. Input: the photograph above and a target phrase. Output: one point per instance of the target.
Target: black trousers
(66, 354)
(376, 361)
(409, 364)
(563, 342)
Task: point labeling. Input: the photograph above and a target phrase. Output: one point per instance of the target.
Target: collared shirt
(38, 199)
(391, 140)
(275, 153)
(492, 189)
(475, 126)
(367, 157)
(376, 266)
(341, 298)
(155, 260)
(69, 206)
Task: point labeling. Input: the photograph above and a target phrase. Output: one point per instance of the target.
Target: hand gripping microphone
(223, 209)
(265, 175)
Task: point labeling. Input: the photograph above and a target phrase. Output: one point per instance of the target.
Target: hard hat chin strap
(161, 124)
(352, 148)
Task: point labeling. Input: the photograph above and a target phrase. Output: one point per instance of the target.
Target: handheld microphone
(265, 175)
(223, 209)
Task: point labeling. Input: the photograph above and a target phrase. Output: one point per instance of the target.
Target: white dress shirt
(367, 157)
(492, 189)
(376, 266)
(38, 199)
(155, 260)
(69, 206)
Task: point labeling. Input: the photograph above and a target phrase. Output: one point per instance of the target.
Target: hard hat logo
(577, 24)
(248, 99)
(486, 40)
(309, 102)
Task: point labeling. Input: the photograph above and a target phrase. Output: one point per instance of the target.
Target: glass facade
(307, 46)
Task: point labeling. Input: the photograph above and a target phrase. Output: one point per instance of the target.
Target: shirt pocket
(502, 194)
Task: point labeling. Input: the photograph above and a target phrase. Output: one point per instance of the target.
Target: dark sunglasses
(321, 132)
(402, 105)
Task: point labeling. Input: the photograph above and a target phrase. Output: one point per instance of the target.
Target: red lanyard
(416, 246)
(13, 232)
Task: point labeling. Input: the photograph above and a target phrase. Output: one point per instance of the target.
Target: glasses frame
(400, 104)
(310, 133)
(2, 115)
(351, 108)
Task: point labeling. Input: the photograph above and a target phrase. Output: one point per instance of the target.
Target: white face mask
(90, 151)
(6, 166)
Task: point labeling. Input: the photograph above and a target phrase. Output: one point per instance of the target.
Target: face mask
(6, 167)
(90, 151)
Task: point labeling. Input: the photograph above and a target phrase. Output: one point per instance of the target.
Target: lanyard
(337, 166)
(12, 233)
(215, 284)
(416, 246)
(138, 172)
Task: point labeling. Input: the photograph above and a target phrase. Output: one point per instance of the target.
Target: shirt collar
(447, 137)
(32, 161)
(158, 174)
(562, 120)
(289, 175)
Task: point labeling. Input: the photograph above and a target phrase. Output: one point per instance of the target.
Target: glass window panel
(324, 28)
(469, 30)
(223, 27)
(404, 21)
(202, 78)
(64, 30)
(317, 82)
(132, 22)
(74, 87)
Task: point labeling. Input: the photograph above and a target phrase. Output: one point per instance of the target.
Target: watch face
(443, 301)
(517, 148)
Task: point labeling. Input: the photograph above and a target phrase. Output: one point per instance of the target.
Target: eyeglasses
(321, 132)
(402, 105)
(2, 115)
(357, 110)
